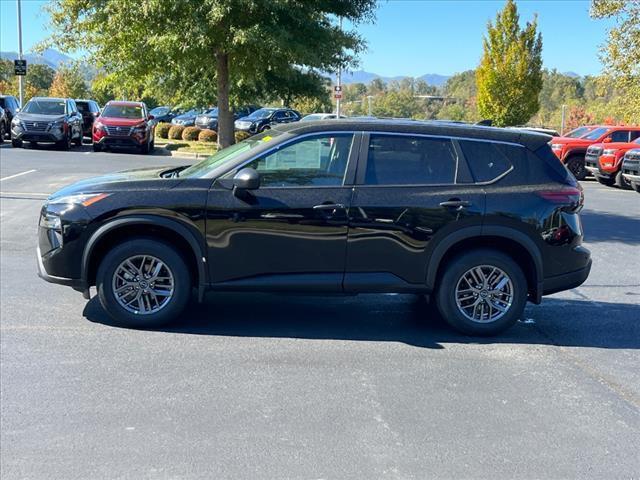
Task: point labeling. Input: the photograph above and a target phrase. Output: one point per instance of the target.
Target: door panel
(278, 232)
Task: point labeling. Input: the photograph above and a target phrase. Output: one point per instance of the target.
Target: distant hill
(361, 76)
(49, 57)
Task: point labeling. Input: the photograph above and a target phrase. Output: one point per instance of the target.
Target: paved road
(259, 386)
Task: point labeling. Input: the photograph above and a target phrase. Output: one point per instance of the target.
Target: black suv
(209, 118)
(480, 219)
(90, 110)
(10, 105)
(265, 118)
(49, 120)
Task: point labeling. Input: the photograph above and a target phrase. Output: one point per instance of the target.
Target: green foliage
(175, 132)
(162, 129)
(40, 76)
(621, 54)
(37, 81)
(509, 77)
(307, 105)
(190, 134)
(69, 82)
(240, 135)
(205, 51)
(207, 135)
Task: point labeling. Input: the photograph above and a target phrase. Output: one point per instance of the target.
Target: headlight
(610, 151)
(556, 146)
(139, 130)
(84, 199)
(51, 221)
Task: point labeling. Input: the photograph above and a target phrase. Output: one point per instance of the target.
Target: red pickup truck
(604, 161)
(572, 151)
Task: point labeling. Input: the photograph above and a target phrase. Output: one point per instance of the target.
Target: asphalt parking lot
(259, 386)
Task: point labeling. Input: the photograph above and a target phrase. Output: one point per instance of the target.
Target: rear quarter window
(487, 161)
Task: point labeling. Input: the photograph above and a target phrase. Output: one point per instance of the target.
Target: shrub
(207, 135)
(175, 132)
(162, 130)
(240, 135)
(190, 134)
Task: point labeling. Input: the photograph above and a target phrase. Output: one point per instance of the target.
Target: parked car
(571, 150)
(187, 119)
(314, 117)
(90, 110)
(47, 120)
(164, 114)
(480, 219)
(579, 132)
(604, 161)
(124, 124)
(4, 124)
(546, 131)
(11, 107)
(631, 168)
(209, 118)
(264, 118)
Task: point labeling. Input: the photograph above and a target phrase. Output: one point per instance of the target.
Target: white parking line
(16, 175)
(28, 194)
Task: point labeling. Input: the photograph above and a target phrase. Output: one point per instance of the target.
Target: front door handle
(333, 207)
(455, 203)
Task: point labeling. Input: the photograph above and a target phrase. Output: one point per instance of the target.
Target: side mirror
(151, 117)
(96, 114)
(18, 109)
(607, 140)
(245, 180)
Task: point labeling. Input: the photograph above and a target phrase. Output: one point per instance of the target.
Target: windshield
(212, 111)
(158, 111)
(262, 113)
(123, 111)
(316, 116)
(190, 113)
(228, 154)
(578, 132)
(596, 134)
(45, 107)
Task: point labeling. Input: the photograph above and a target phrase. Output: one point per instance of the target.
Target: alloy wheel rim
(143, 284)
(484, 294)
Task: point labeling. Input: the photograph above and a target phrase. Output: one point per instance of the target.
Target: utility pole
(339, 85)
(369, 98)
(20, 77)
(564, 111)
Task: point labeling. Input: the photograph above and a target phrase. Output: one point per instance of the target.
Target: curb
(186, 155)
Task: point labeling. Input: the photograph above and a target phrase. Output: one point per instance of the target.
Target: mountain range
(49, 56)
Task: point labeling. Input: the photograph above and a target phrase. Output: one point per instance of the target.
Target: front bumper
(31, 136)
(115, 141)
(75, 283)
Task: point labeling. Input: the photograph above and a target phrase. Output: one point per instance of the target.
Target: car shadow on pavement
(395, 318)
(610, 227)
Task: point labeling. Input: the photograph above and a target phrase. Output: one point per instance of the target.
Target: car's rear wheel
(3, 132)
(575, 164)
(482, 292)
(143, 283)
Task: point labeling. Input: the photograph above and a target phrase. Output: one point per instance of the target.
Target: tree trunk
(225, 116)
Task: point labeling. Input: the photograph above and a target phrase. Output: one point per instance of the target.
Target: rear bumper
(566, 281)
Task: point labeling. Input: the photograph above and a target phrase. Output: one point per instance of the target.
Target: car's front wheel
(482, 292)
(143, 283)
(575, 164)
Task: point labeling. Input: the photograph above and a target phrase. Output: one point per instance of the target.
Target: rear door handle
(455, 203)
(329, 206)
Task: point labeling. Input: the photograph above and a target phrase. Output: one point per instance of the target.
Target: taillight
(571, 195)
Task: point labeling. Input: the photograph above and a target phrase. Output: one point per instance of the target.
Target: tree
(621, 54)
(509, 77)
(68, 82)
(40, 76)
(209, 50)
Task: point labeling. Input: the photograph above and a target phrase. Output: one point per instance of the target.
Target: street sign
(20, 67)
(337, 95)
(337, 88)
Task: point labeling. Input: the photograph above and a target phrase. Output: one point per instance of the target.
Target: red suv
(604, 161)
(572, 151)
(124, 124)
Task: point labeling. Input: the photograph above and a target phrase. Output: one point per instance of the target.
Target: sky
(415, 37)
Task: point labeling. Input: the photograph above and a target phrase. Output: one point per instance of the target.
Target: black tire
(636, 187)
(16, 143)
(621, 182)
(151, 247)
(65, 143)
(454, 271)
(3, 132)
(144, 149)
(609, 182)
(575, 164)
(265, 128)
(97, 147)
(78, 141)
(152, 146)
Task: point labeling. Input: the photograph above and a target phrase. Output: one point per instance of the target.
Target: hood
(114, 182)
(571, 141)
(247, 119)
(121, 122)
(38, 117)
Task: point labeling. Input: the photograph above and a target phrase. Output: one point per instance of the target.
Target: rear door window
(486, 161)
(410, 160)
